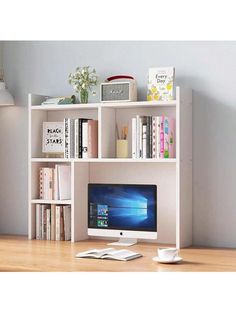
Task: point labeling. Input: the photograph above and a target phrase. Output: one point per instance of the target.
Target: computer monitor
(125, 211)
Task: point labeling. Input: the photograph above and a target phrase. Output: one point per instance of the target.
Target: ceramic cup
(122, 149)
(167, 254)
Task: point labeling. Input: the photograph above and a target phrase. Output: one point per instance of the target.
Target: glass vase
(84, 96)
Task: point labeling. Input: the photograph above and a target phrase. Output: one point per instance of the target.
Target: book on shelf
(81, 138)
(92, 138)
(64, 182)
(45, 183)
(85, 139)
(55, 183)
(62, 231)
(48, 224)
(67, 220)
(53, 222)
(110, 253)
(161, 83)
(44, 221)
(38, 222)
(153, 137)
(62, 100)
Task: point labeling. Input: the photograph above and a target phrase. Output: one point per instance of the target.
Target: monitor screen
(122, 207)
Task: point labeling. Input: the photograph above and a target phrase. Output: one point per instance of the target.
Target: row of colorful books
(80, 138)
(153, 137)
(53, 222)
(55, 183)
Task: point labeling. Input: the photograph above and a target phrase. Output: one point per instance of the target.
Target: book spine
(58, 219)
(48, 224)
(171, 138)
(144, 134)
(134, 139)
(69, 140)
(44, 222)
(55, 183)
(84, 139)
(166, 140)
(92, 139)
(45, 183)
(41, 183)
(140, 137)
(76, 140)
(64, 182)
(148, 138)
(153, 137)
(162, 137)
(80, 138)
(53, 216)
(38, 222)
(50, 183)
(158, 119)
(66, 139)
(137, 136)
(67, 222)
(72, 137)
(62, 231)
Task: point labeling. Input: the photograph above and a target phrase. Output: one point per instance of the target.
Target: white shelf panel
(51, 160)
(65, 107)
(58, 202)
(130, 160)
(101, 160)
(139, 104)
(118, 105)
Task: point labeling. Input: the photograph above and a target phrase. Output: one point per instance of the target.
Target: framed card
(53, 137)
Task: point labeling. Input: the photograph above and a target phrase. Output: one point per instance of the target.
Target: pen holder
(121, 149)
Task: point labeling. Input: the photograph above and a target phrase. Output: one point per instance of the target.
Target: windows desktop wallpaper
(123, 207)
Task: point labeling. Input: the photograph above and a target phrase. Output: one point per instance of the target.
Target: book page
(120, 254)
(95, 253)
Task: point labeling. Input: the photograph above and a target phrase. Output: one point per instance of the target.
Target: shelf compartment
(112, 116)
(38, 117)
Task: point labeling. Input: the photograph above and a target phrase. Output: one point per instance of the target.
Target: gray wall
(207, 67)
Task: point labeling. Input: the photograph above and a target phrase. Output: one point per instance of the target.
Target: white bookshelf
(173, 176)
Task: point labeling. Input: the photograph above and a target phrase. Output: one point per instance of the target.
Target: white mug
(167, 254)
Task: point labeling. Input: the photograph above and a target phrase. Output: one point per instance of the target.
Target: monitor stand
(124, 242)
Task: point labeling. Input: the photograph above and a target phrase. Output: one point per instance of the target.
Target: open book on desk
(119, 255)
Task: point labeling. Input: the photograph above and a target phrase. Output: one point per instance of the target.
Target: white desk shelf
(173, 177)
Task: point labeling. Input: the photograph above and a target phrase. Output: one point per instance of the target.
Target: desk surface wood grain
(19, 254)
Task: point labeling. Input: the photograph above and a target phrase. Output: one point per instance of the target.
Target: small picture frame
(53, 138)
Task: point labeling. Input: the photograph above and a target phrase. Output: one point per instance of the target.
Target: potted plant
(82, 80)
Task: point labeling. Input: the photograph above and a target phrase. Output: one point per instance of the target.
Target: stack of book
(53, 222)
(80, 138)
(153, 137)
(55, 183)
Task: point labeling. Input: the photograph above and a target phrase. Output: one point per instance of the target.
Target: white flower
(83, 78)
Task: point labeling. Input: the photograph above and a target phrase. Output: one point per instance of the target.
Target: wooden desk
(19, 254)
